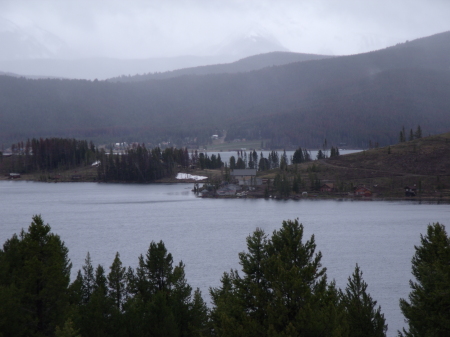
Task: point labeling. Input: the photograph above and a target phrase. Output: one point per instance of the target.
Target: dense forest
(282, 290)
(135, 163)
(51, 154)
(348, 100)
(139, 164)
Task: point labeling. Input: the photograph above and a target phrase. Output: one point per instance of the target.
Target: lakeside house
(246, 177)
(362, 191)
(328, 187)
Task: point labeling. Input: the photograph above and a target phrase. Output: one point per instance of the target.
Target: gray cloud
(138, 28)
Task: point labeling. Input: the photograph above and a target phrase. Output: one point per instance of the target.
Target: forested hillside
(349, 99)
(247, 64)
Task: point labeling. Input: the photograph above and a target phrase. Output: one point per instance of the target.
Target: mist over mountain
(34, 52)
(253, 42)
(246, 64)
(348, 99)
(30, 43)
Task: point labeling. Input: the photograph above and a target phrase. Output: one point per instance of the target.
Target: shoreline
(433, 200)
(312, 195)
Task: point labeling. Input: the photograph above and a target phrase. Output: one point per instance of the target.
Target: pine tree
(427, 312)
(264, 163)
(251, 163)
(284, 161)
(306, 155)
(240, 164)
(283, 290)
(88, 279)
(402, 137)
(34, 279)
(232, 163)
(255, 159)
(418, 133)
(298, 156)
(158, 265)
(161, 302)
(117, 283)
(93, 314)
(102, 312)
(363, 318)
(320, 155)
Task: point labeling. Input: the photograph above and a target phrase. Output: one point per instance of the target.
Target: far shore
(259, 194)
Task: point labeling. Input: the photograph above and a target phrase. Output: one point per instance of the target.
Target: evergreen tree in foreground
(364, 320)
(34, 276)
(428, 310)
(283, 290)
(92, 310)
(161, 301)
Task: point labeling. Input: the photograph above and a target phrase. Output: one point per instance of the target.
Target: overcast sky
(149, 28)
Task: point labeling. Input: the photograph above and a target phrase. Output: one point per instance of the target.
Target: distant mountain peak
(252, 41)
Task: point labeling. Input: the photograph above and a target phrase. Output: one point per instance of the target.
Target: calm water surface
(208, 234)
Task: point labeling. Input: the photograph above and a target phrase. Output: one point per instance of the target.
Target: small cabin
(362, 191)
(14, 175)
(329, 187)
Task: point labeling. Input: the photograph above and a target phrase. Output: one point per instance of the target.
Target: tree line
(139, 164)
(203, 161)
(412, 135)
(273, 160)
(51, 154)
(282, 290)
(136, 164)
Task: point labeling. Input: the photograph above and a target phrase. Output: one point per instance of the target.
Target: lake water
(208, 234)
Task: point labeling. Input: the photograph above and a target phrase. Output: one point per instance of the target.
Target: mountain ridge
(348, 99)
(246, 64)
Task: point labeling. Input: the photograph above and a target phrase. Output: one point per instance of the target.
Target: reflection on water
(208, 234)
